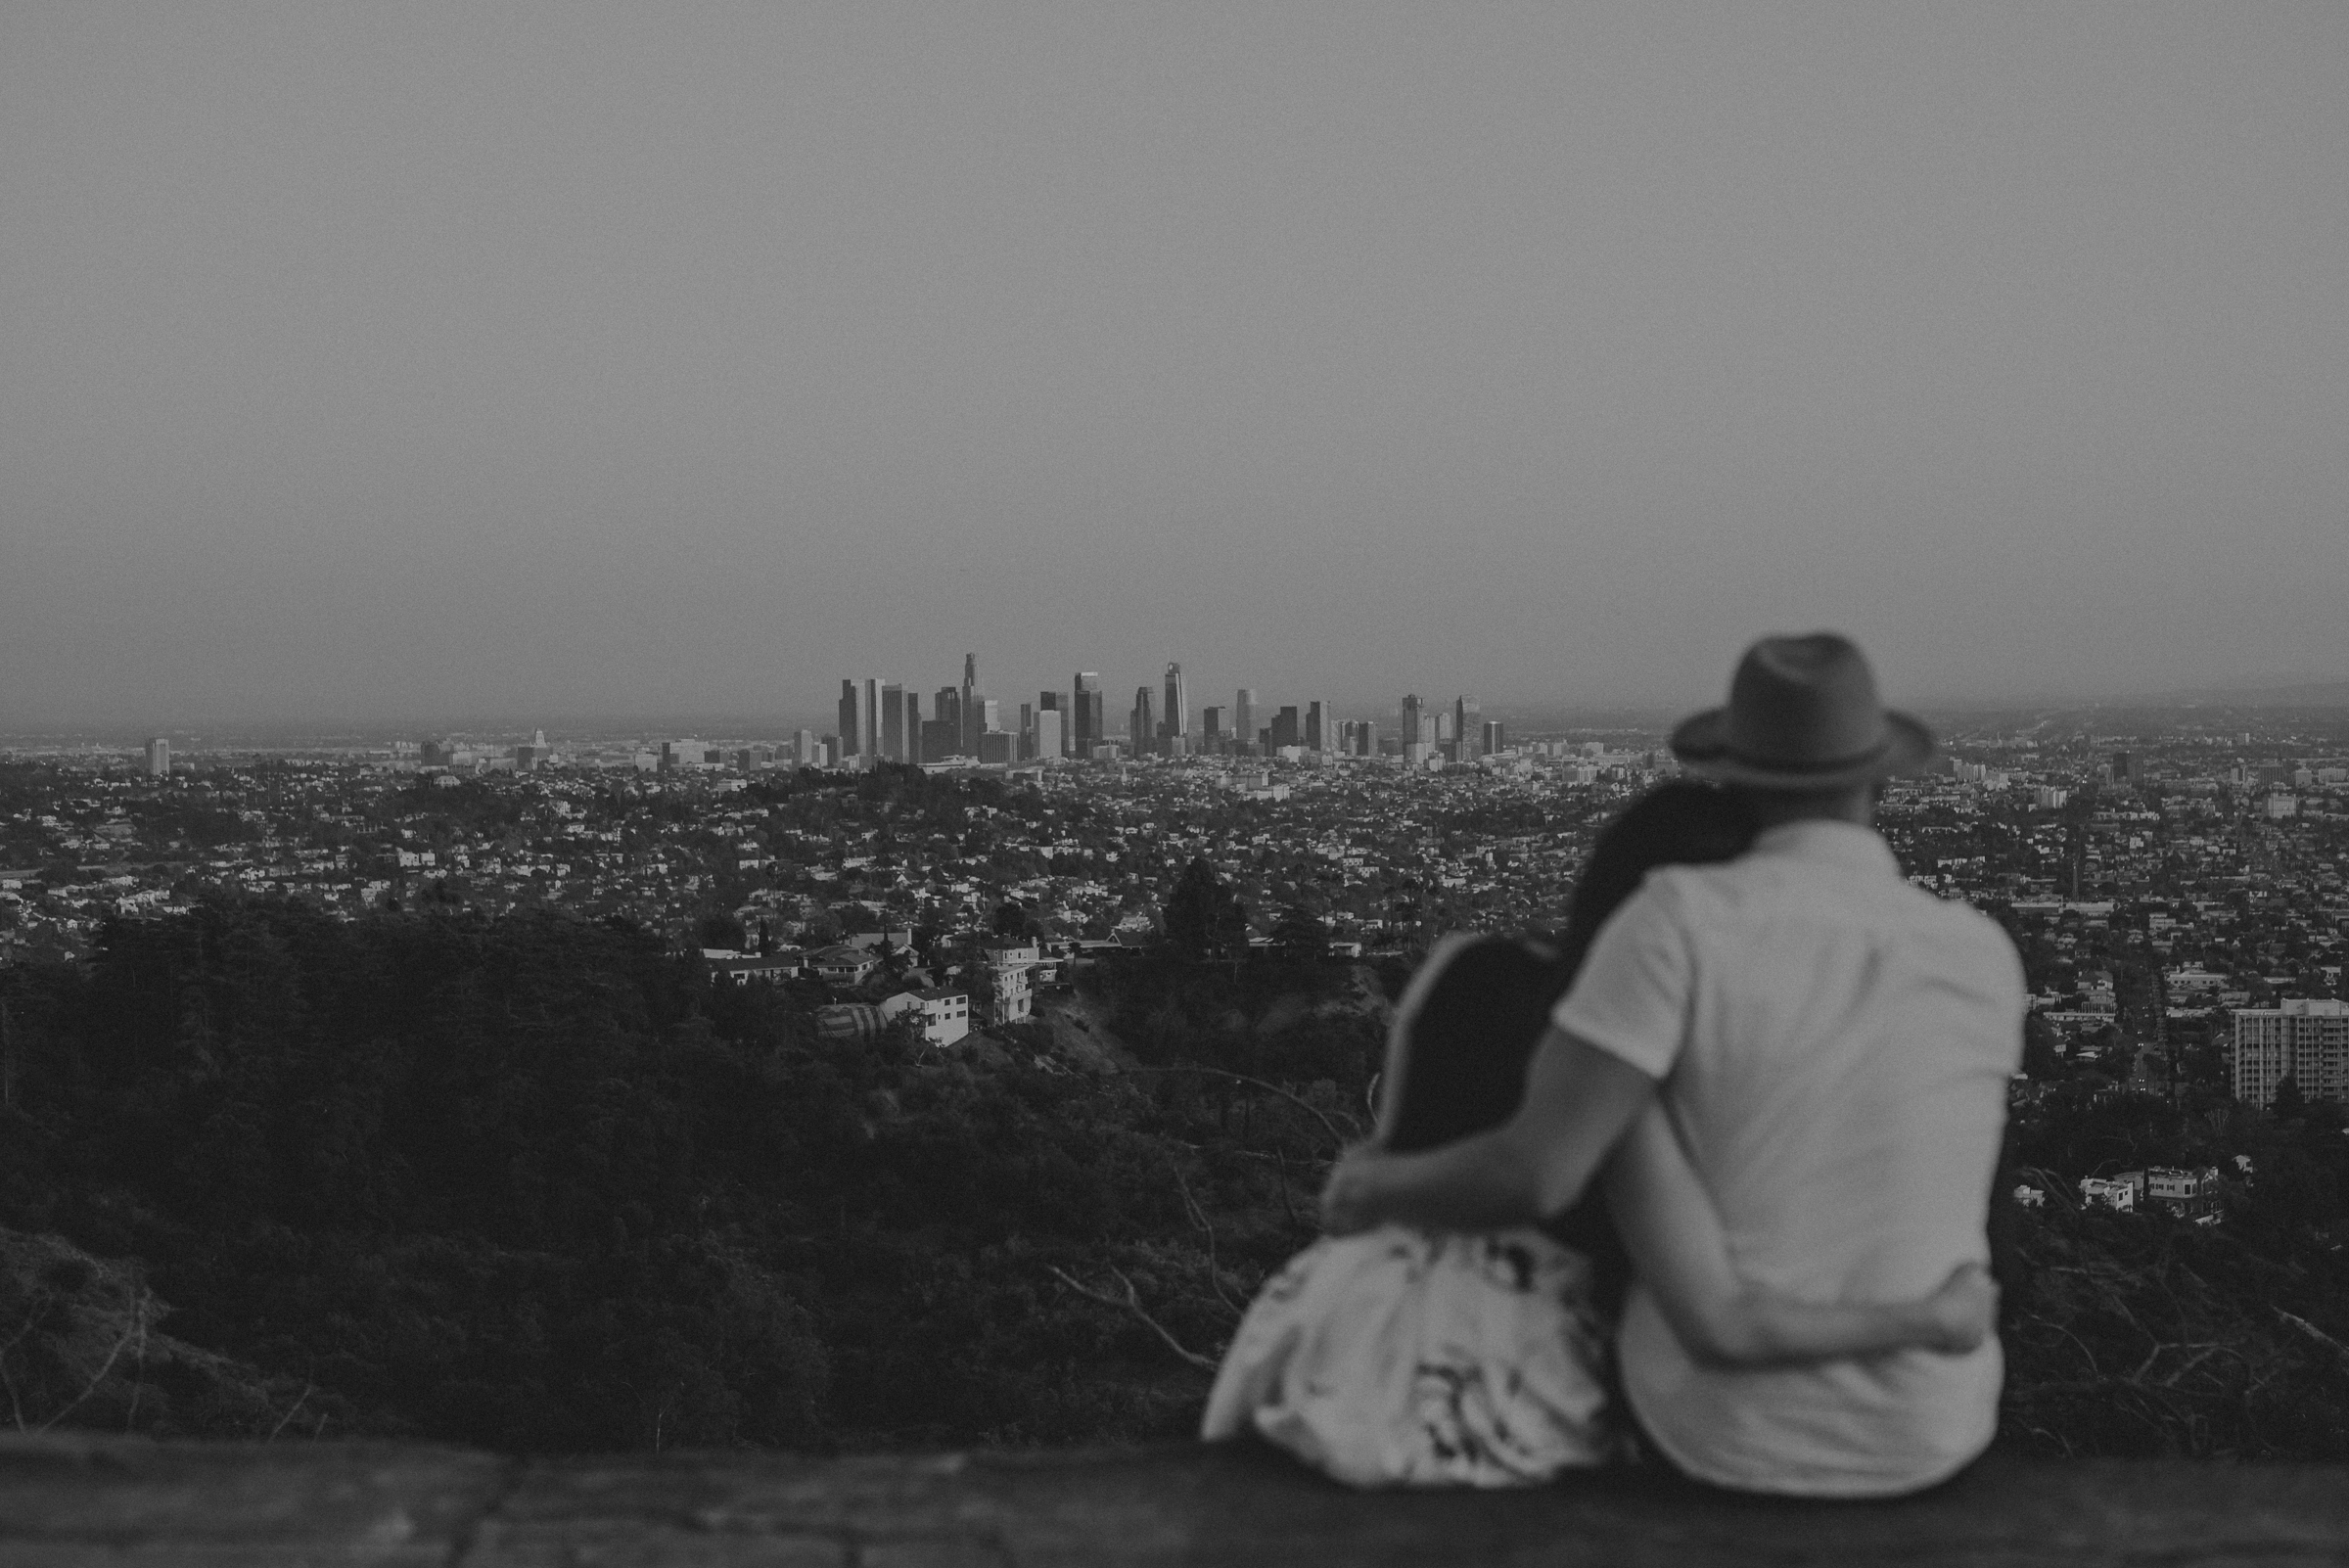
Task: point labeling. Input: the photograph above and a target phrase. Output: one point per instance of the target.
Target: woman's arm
(1673, 1234)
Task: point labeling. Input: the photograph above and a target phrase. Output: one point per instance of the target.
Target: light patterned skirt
(1406, 1358)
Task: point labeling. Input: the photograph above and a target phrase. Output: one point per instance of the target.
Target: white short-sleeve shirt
(1835, 1047)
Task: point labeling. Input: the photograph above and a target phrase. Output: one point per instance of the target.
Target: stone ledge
(80, 1499)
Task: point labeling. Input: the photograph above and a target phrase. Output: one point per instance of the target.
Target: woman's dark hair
(1463, 1065)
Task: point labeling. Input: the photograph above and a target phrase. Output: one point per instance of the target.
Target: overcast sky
(365, 361)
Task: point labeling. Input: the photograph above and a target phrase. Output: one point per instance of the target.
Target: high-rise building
(1090, 728)
(1055, 702)
(1027, 748)
(1413, 713)
(803, 747)
(894, 736)
(1141, 728)
(1285, 729)
(1320, 728)
(1467, 721)
(2303, 1039)
(868, 719)
(1049, 741)
(985, 716)
(970, 694)
(159, 757)
(849, 736)
(942, 738)
(1216, 720)
(945, 709)
(1497, 738)
(1243, 717)
(1177, 717)
(2120, 767)
(913, 725)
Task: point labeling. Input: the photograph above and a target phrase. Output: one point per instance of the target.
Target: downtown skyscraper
(970, 704)
(1176, 721)
(1141, 728)
(1090, 727)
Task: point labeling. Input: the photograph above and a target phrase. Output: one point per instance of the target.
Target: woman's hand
(1962, 1313)
(1347, 1195)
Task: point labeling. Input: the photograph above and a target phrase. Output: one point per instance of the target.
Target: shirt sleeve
(1631, 997)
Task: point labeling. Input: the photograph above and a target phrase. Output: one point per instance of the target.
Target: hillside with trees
(531, 1183)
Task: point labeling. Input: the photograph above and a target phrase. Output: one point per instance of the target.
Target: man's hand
(1963, 1311)
(1346, 1197)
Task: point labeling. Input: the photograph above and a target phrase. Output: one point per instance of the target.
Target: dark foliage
(532, 1183)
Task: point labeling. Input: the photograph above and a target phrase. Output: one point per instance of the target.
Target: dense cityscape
(2178, 895)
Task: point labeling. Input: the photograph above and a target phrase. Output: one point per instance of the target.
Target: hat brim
(1702, 745)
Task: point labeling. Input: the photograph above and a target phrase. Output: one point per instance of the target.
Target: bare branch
(307, 1389)
(1214, 1269)
(2318, 1334)
(137, 1328)
(1133, 1302)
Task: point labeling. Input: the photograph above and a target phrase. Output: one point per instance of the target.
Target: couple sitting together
(1786, 1070)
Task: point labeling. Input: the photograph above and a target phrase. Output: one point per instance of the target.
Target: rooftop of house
(78, 1497)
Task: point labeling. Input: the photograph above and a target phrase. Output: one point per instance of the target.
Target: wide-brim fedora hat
(1802, 716)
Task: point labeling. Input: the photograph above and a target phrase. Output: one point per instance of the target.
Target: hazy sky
(366, 361)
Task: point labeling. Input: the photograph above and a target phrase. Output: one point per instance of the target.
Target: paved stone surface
(79, 1500)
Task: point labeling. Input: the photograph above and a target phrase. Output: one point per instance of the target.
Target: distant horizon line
(2313, 694)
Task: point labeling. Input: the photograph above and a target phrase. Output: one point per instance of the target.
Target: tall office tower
(913, 725)
(1048, 739)
(1177, 719)
(1497, 739)
(1412, 712)
(1140, 728)
(985, 717)
(970, 693)
(1068, 723)
(1050, 702)
(850, 734)
(1443, 722)
(1365, 739)
(804, 749)
(1243, 717)
(2120, 765)
(1284, 729)
(942, 738)
(159, 757)
(947, 711)
(868, 721)
(1026, 746)
(1320, 728)
(893, 724)
(1091, 727)
(1467, 718)
(1213, 719)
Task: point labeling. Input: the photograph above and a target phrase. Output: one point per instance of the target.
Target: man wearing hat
(1832, 1048)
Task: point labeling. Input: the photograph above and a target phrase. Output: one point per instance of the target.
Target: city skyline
(367, 363)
